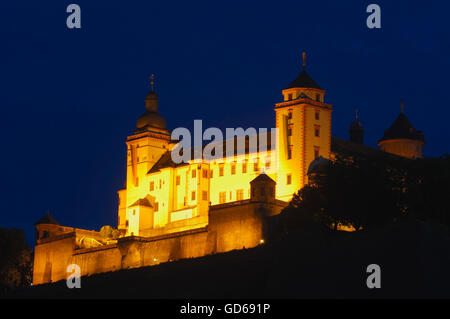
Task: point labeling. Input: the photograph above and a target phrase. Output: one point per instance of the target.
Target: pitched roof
(47, 219)
(166, 159)
(141, 202)
(303, 80)
(262, 177)
(349, 148)
(402, 128)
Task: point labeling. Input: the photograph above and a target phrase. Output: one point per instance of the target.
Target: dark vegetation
(367, 193)
(15, 260)
(399, 208)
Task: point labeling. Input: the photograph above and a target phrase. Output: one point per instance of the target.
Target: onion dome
(151, 118)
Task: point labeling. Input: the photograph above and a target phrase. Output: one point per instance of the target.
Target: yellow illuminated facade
(168, 211)
(160, 194)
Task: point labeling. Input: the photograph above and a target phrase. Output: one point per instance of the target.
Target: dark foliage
(357, 192)
(15, 260)
(371, 192)
(429, 189)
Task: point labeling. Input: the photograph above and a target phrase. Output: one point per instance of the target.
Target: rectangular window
(233, 168)
(152, 186)
(267, 164)
(240, 194)
(160, 184)
(178, 180)
(137, 181)
(318, 97)
(316, 130)
(221, 170)
(205, 173)
(316, 152)
(289, 152)
(194, 173)
(289, 131)
(231, 195)
(290, 96)
(193, 195)
(244, 168)
(222, 197)
(204, 195)
(255, 166)
(211, 173)
(290, 114)
(156, 207)
(289, 179)
(317, 115)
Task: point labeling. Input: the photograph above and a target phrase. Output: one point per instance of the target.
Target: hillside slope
(312, 263)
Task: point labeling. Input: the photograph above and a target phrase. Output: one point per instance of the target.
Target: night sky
(70, 97)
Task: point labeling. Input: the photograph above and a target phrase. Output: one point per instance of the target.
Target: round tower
(402, 138)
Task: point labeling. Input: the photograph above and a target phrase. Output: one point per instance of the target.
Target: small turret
(402, 138)
(262, 189)
(356, 130)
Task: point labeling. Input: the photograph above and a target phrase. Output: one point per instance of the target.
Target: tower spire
(152, 82)
(356, 114)
(304, 59)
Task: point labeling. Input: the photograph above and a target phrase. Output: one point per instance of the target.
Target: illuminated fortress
(169, 211)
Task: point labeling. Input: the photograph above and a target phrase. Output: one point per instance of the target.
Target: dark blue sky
(69, 98)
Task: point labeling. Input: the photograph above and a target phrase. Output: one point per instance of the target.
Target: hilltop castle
(168, 211)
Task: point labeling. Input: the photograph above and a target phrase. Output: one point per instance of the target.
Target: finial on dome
(152, 82)
(356, 114)
(402, 106)
(304, 59)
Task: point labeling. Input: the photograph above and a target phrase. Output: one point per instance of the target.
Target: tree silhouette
(15, 259)
(357, 191)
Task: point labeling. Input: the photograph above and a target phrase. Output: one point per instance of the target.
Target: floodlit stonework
(170, 211)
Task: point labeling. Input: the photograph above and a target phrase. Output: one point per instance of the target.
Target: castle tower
(303, 120)
(144, 148)
(402, 138)
(356, 130)
(262, 189)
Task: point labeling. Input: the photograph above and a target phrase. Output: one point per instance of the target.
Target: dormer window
(290, 96)
(318, 97)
